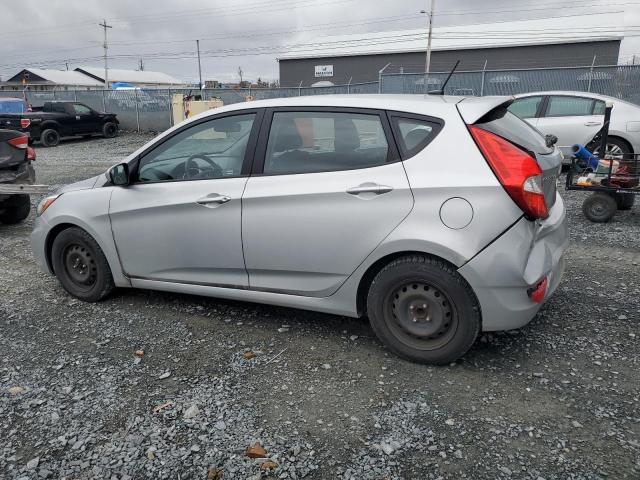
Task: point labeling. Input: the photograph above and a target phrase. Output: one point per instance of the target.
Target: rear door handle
(592, 124)
(369, 188)
(213, 199)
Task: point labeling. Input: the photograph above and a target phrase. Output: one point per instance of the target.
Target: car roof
(12, 99)
(568, 93)
(434, 105)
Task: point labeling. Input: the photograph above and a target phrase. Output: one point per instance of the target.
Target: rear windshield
(11, 106)
(505, 124)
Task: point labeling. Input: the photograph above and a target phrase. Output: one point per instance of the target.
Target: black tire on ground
(49, 138)
(423, 310)
(15, 209)
(80, 265)
(599, 207)
(110, 130)
(625, 201)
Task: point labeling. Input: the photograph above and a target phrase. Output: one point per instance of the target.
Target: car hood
(81, 185)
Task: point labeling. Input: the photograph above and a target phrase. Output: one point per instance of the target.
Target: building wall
(365, 68)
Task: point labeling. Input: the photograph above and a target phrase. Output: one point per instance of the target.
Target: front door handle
(369, 188)
(213, 199)
(592, 124)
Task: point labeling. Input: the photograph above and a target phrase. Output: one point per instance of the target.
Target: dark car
(55, 120)
(16, 175)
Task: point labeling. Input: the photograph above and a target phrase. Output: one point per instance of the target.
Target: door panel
(570, 119)
(181, 219)
(163, 233)
(305, 234)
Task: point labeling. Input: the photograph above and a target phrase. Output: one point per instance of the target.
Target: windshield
(12, 106)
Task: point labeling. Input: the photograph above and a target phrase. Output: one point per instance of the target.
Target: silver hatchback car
(436, 217)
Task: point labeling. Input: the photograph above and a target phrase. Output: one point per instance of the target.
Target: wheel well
(50, 126)
(372, 271)
(55, 231)
(622, 140)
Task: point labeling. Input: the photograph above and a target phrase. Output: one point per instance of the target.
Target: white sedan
(576, 117)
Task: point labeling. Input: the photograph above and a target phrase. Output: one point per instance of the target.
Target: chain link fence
(150, 110)
(621, 81)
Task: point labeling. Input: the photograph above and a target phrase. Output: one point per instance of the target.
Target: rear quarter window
(507, 125)
(413, 133)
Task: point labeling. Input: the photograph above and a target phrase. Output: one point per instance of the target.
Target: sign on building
(324, 71)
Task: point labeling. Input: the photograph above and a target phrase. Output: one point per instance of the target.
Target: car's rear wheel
(599, 207)
(50, 138)
(423, 310)
(80, 265)
(15, 209)
(110, 130)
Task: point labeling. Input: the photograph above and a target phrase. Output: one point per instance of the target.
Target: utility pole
(141, 67)
(240, 74)
(199, 66)
(433, 6)
(66, 65)
(106, 47)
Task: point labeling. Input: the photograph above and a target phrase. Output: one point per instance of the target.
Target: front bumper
(38, 243)
(501, 274)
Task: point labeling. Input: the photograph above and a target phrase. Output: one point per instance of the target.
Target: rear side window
(505, 124)
(307, 142)
(569, 106)
(599, 108)
(525, 107)
(413, 134)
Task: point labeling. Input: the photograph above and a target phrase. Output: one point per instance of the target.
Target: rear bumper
(502, 273)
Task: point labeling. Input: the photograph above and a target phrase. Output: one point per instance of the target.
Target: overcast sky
(163, 32)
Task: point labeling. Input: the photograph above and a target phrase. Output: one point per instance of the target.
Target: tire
(110, 130)
(49, 138)
(16, 208)
(599, 207)
(615, 147)
(423, 310)
(625, 201)
(80, 265)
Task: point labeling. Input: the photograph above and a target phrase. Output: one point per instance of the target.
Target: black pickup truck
(54, 120)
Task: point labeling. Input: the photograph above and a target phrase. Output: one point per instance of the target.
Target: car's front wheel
(80, 265)
(423, 310)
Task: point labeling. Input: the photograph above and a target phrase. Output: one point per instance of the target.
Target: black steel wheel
(50, 138)
(599, 207)
(80, 265)
(110, 130)
(423, 310)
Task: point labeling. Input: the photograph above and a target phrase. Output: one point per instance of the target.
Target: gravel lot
(557, 399)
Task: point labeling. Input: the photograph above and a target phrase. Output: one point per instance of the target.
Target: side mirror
(550, 140)
(119, 174)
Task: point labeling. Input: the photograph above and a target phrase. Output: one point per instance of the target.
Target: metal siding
(365, 68)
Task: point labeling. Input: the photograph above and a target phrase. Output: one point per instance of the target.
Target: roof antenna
(441, 91)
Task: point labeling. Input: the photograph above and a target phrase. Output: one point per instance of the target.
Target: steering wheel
(192, 170)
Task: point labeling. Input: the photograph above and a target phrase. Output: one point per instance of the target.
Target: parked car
(55, 120)
(436, 217)
(576, 117)
(13, 105)
(16, 168)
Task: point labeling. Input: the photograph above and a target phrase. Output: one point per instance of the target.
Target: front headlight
(46, 203)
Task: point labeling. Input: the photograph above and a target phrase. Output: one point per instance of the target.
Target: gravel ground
(158, 385)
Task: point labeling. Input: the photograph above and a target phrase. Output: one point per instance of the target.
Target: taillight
(31, 154)
(538, 291)
(19, 142)
(517, 171)
(25, 122)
